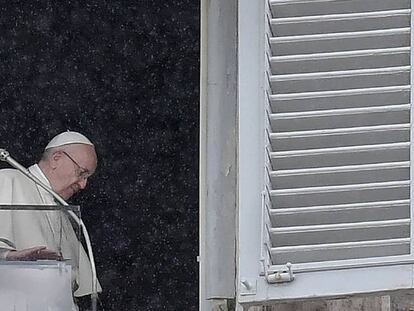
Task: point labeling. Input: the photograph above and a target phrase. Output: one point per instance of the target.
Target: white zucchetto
(67, 138)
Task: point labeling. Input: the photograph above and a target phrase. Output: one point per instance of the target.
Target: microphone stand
(5, 157)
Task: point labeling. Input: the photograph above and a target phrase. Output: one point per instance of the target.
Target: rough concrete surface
(395, 302)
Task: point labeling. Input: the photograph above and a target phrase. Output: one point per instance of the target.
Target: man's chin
(66, 196)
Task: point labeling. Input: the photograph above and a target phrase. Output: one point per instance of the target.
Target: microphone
(5, 157)
(3, 154)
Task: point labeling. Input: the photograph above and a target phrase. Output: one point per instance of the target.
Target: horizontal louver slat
(385, 98)
(340, 74)
(336, 251)
(336, 17)
(293, 8)
(309, 215)
(339, 112)
(360, 148)
(349, 232)
(341, 226)
(338, 169)
(341, 54)
(340, 35)
(343, 92)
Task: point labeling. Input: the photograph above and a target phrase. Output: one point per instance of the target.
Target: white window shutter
(336, 199)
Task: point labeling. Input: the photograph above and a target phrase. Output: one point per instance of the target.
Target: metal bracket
(281, 276)
(248, 287)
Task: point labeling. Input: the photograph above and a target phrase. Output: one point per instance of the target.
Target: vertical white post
(251, 103)
(218, 167)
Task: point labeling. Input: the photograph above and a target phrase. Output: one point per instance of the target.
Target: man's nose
(82, 183)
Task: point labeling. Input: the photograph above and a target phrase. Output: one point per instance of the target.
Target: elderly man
(67, 163)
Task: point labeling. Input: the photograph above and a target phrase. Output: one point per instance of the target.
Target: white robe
(20, 230)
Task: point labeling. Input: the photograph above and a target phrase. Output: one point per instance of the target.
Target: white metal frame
(218, 84)
(251, 135)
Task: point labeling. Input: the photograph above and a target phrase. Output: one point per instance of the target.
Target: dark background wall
(126, 74)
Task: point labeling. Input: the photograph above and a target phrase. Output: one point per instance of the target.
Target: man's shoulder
(10, 173)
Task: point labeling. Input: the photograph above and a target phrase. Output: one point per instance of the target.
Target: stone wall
(395, 302)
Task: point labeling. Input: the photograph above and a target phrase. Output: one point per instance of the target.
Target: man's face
(73, 165)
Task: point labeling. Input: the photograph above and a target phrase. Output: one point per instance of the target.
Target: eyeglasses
(81, 171)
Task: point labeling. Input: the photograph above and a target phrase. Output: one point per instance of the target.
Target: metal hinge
(281, 276)
(248, 287)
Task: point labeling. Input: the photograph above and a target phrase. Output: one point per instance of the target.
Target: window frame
(312, 280)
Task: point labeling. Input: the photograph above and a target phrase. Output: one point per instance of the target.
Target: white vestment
(26, 229)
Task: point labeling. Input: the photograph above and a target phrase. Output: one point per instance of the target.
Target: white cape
(27, 229)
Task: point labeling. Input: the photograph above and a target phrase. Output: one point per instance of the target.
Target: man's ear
(54, 159)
